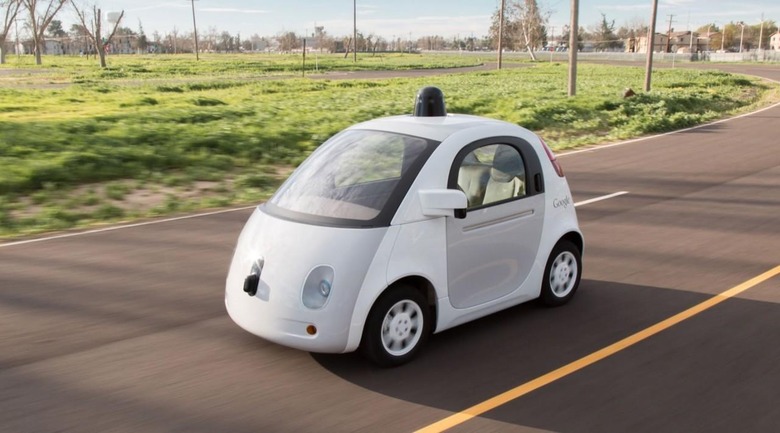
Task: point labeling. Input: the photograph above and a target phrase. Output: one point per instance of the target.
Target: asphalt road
(125, 330)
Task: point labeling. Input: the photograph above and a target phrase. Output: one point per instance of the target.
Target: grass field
(164, 134)
(68, 69)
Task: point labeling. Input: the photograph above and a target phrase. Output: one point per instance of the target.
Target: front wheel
(562, 274)
(397, 327)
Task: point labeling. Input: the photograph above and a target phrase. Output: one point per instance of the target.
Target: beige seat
(472, 180)
(506, 177)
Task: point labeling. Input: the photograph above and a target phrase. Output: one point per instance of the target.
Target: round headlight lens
(317, 287)
(325, 288)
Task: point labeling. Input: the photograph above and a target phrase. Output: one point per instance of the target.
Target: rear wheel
(397, 327)
(562, 274)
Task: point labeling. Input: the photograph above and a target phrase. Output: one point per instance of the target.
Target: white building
(55, 46)
(774, 41)
(639, 44)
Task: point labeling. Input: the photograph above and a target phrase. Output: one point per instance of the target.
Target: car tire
(397, 327)
(562, 274)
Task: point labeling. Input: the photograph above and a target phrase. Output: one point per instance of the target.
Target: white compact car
(405, 226)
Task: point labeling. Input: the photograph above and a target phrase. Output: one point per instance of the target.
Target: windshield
(358, 175)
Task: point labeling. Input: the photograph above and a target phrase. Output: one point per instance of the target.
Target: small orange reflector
(311, 330)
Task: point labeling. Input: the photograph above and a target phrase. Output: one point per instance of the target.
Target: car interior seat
(507, 176)
(472, 179)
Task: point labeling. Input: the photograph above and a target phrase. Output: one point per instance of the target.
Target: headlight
(317, 287)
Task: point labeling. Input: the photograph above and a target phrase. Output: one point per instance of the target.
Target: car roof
(432, 128)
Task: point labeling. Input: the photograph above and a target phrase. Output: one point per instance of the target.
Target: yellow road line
(594, 357)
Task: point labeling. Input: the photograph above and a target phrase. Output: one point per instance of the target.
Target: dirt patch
(21, 72)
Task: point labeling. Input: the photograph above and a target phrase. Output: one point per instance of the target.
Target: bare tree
(142, 44)
(156, 42)
(510, 29)
(225, 42)
(211, 37)
(321, 37)
(9, 9)
(368, 40)
(95, 25)
(175, 36)
(288, 41)
(531, 25)
(40, 20)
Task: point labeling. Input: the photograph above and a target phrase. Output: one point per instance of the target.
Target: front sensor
(250, 284)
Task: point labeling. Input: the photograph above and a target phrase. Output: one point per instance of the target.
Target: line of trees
(730, 34)
(41, 23)
(526, 28)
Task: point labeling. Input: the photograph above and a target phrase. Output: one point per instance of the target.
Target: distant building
(120, 44)
(687, 42)
(25, 47)
(556, 44)
(774, 41)
(123, 44)
(639, 44)
(7, 47)
(680, 42)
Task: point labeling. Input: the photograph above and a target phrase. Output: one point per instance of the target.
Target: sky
(412, 18)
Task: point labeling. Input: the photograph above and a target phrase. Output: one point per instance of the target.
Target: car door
(491, 247)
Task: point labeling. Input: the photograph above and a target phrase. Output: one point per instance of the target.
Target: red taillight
(558, 168)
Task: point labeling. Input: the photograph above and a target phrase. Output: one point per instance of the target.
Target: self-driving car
(401, 227)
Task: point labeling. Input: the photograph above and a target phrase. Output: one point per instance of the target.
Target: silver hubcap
(563, 274)
(402, 327)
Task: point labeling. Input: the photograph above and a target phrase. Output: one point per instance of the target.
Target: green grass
(83, 70)
(180, 144)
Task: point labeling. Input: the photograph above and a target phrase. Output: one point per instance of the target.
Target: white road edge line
(125, 226)
(146, 223)
(603, 197)
(637, 140)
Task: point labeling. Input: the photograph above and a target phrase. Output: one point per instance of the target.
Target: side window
(491, 174)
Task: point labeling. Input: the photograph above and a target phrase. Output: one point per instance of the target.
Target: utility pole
(690, 47)
(16, 48)
(741, 35)
(195, 29)
(354, 29)
(669, 36)
(501, 33)
(761, 32)
(574, 31)
(552, 37)
(708, 36)
(650, 44)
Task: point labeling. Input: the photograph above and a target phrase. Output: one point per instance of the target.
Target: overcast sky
(402, 18)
